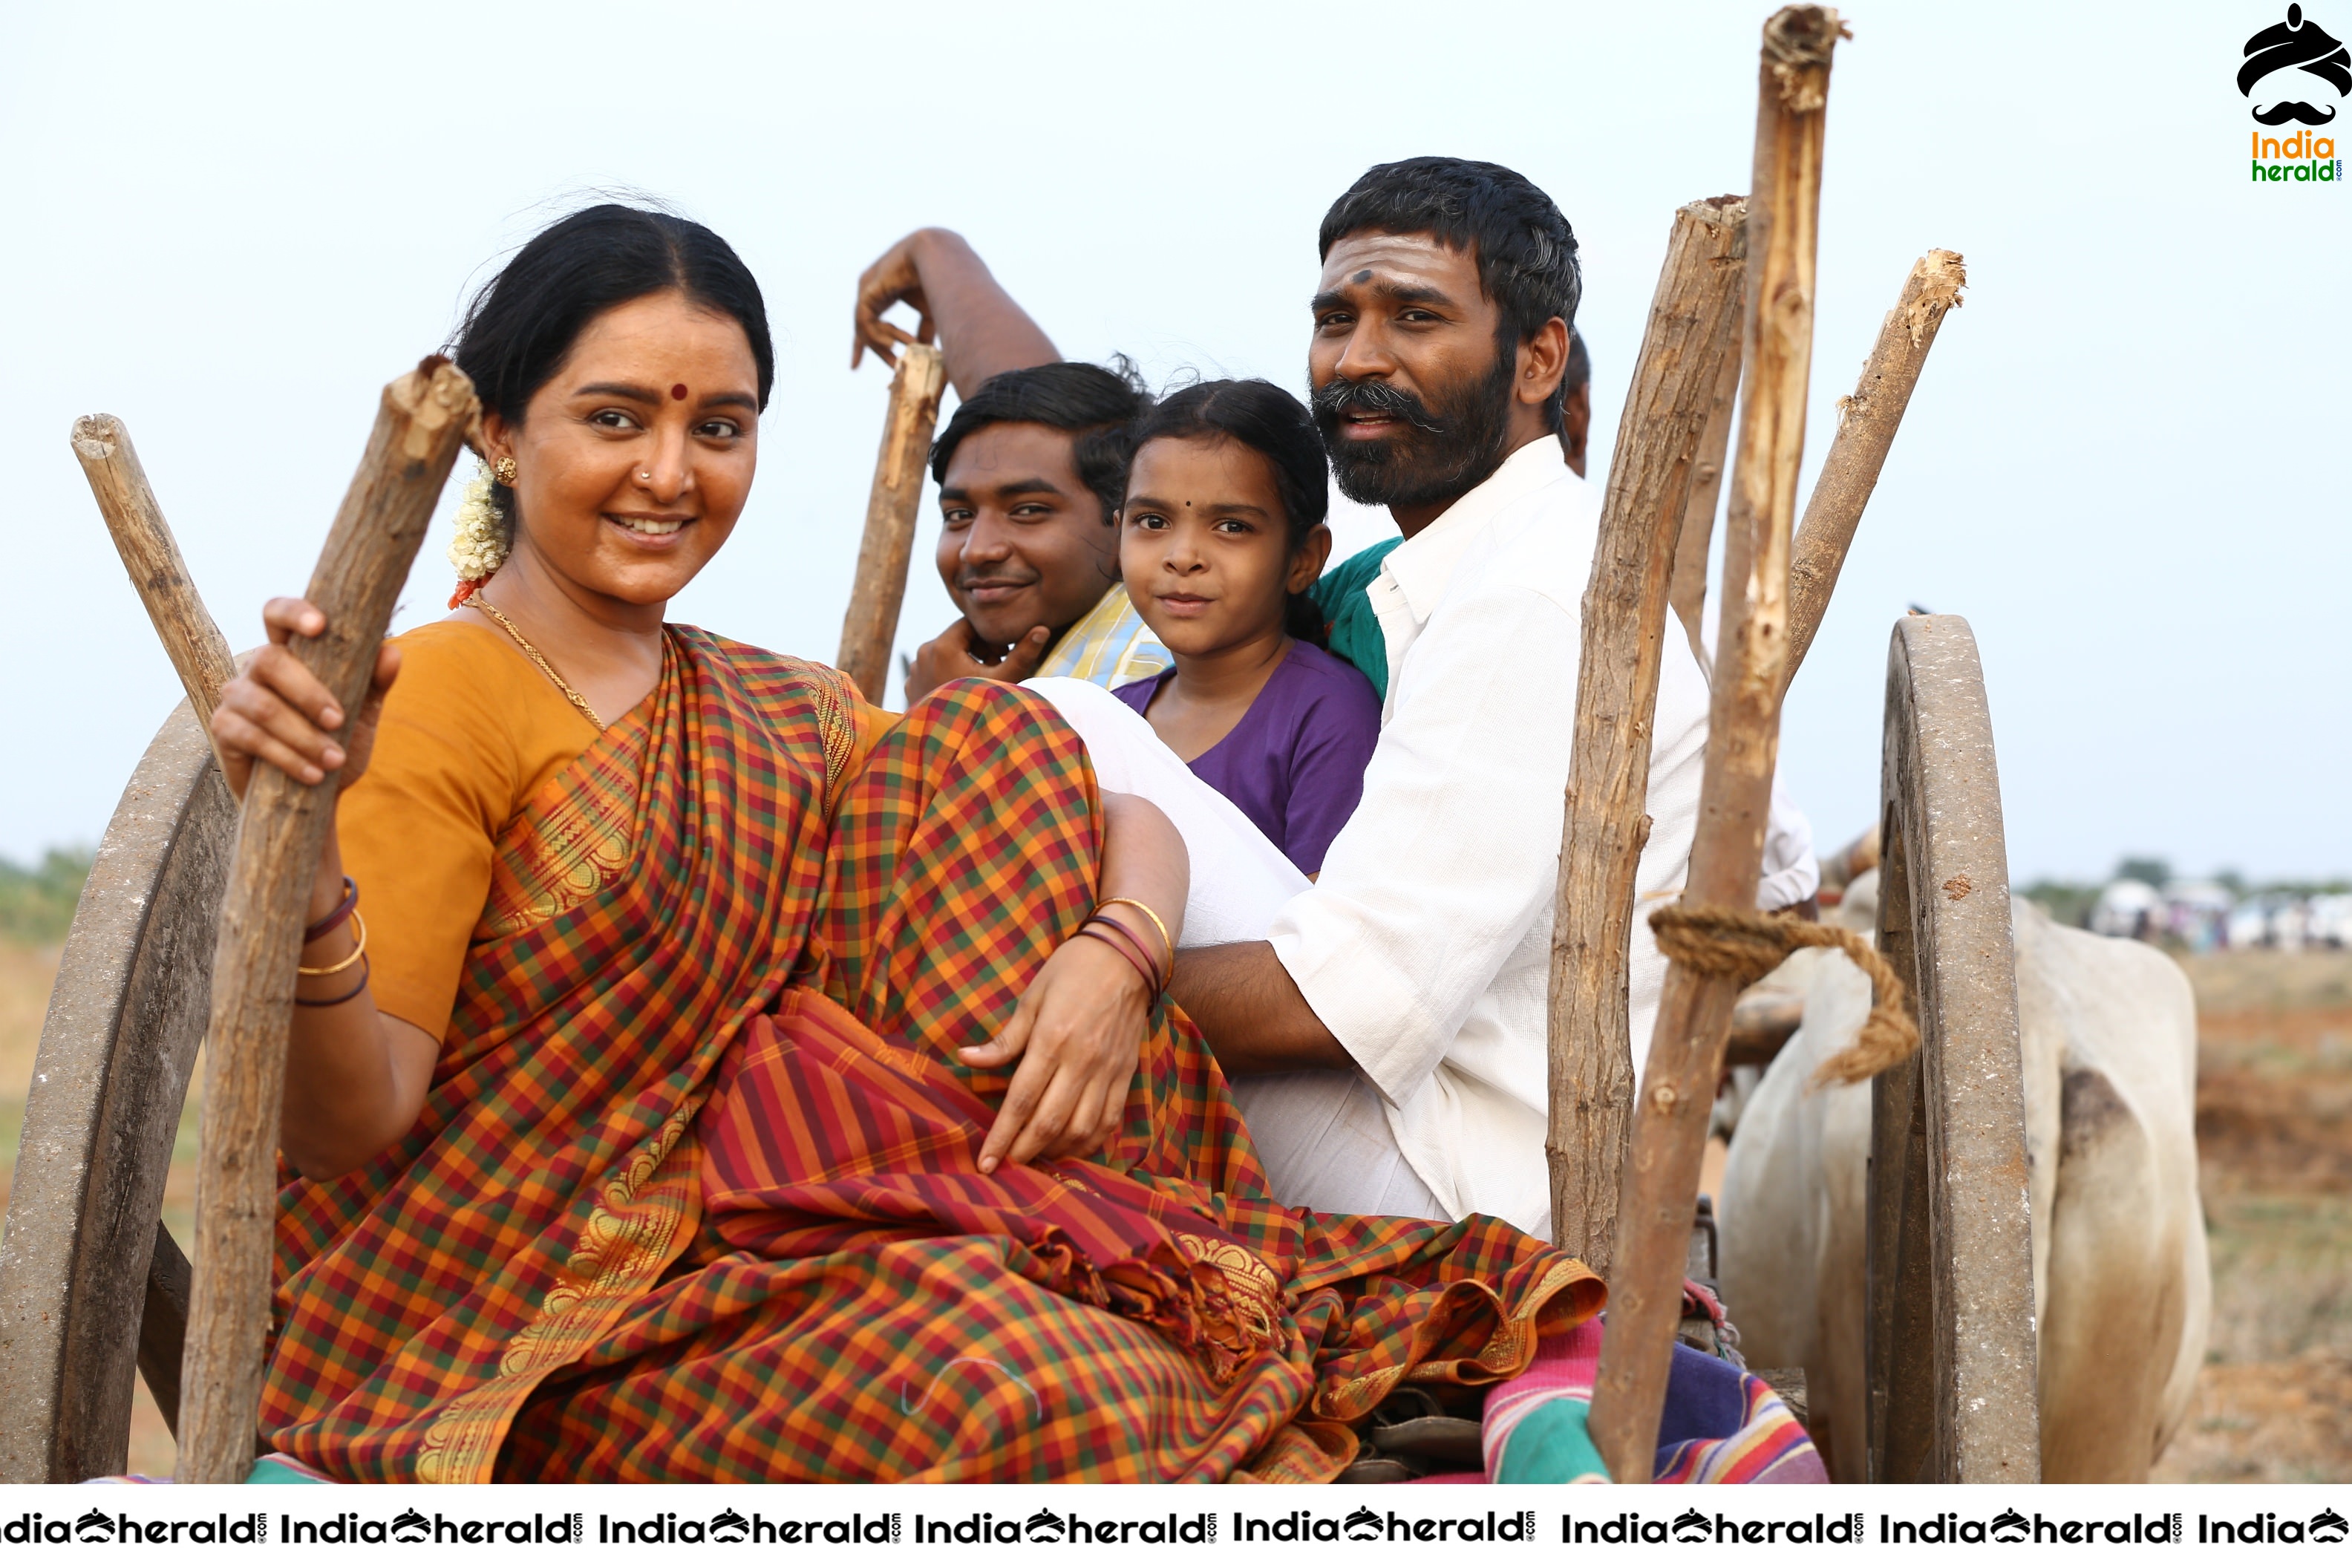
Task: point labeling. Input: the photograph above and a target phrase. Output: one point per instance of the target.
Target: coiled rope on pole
(1747, 944)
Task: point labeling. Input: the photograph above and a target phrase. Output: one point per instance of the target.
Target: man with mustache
(1030, 470)
(1065, 624)
(1387, 1041)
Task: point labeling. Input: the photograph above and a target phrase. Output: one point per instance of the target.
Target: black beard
(1446, 452)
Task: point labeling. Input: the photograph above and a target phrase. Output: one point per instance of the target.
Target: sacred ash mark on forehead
(1365, 276)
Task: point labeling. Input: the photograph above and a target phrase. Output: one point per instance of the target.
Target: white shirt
(1425, 947)
(1792, 872)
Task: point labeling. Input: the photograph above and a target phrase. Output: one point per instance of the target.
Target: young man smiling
(1395, 1019)
(1030, 470)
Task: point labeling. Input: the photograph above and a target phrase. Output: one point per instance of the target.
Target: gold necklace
(538, 658)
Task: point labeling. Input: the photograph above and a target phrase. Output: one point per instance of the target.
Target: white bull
(2122, 1293)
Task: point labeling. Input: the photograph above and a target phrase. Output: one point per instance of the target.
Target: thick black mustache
(2280, 113)
(1340, 396)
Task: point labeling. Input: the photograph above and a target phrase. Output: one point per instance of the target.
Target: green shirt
(1341, 598)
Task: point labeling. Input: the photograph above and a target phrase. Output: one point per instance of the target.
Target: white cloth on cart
(1323, 1137)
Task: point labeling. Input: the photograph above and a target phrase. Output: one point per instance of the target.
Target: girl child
(1221, 537)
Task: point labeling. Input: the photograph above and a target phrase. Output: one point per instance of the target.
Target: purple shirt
(1294, 764)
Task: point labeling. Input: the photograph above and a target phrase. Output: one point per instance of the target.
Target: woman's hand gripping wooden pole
(355, 1078)
(421, 422)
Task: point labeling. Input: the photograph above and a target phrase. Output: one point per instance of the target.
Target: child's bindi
(678, 392)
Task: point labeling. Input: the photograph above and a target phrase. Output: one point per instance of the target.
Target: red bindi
(678, 392)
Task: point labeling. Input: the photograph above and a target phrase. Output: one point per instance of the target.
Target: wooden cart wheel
(1950, 1337)
(88, 1276)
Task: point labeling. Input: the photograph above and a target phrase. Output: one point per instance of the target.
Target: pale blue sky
(2125, 464)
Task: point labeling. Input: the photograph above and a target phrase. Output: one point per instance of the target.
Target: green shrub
(2068, 903)
(37, 905)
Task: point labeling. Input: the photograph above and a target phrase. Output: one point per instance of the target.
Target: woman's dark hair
(523, 323)
(1267, 420)
(1094, 405)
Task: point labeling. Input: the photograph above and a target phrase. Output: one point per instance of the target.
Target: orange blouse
(471, 730)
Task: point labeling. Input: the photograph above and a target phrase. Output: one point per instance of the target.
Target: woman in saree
(698, 1074)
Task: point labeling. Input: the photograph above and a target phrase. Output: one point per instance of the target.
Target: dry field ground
(2275, 1126)
(2274, 1137)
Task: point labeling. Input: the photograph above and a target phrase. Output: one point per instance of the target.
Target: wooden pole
(151, 556)
(1694, 324)
(193, 641)
(1866, 424)
(871, 624)
(420, 425)
(1670, 1114)
(1687, 592)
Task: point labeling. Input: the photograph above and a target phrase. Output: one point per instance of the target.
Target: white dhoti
(1325, 1138)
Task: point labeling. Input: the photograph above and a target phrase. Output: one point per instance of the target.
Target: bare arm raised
(355, 1078)
(980, 328)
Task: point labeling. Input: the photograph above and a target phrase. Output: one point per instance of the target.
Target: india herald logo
(2291, 62)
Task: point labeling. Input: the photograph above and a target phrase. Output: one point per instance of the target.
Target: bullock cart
(94, 1291)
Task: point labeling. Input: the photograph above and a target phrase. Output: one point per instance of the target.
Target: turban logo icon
(2289, 60)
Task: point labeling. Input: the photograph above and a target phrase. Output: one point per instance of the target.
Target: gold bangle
(348, 959)
(1157, 924)
(353, 995)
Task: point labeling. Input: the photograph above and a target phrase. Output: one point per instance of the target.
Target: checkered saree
(695, 1195)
